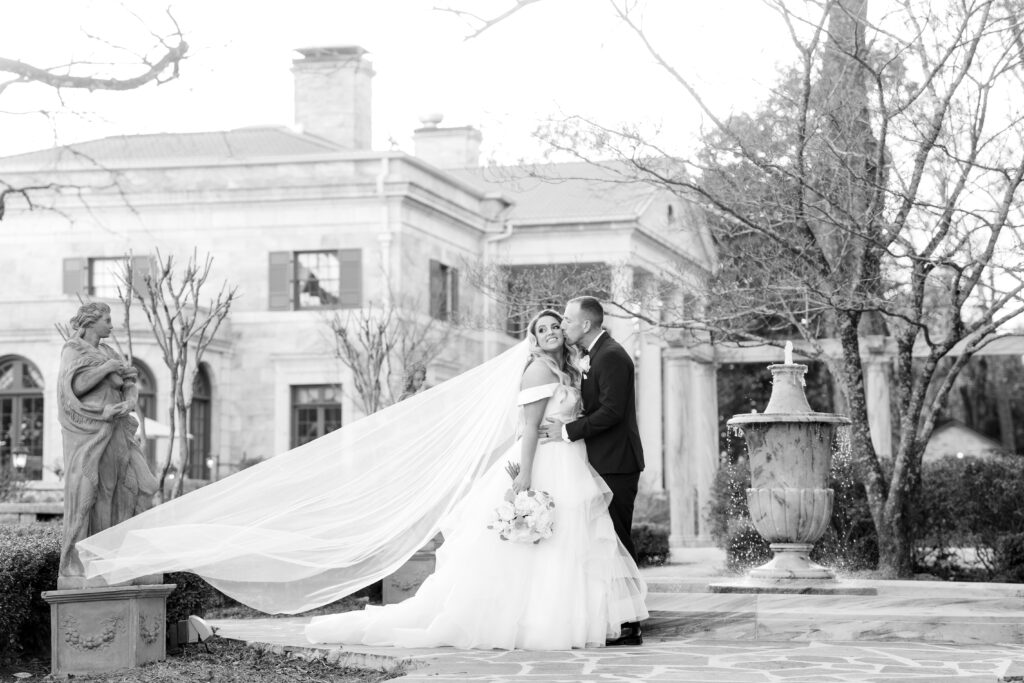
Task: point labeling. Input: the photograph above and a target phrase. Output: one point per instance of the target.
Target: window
(198, 465)
(105, 277)
(100, 276)
(315, 279)
(147, 406)
(21, 414)
(444, 291)
(316, 410)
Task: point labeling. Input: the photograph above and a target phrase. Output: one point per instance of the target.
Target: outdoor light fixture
(19, 457)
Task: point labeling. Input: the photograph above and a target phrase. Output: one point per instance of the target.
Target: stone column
(676, 475)
(649, 390)
(624, 329)
(691, 443)
(649, 412)
(877, 378)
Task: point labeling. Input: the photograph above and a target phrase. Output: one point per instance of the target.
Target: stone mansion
(279, 208)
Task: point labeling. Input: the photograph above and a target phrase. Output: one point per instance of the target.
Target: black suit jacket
(608, 425)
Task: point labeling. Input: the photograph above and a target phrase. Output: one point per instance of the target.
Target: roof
(954, 438)
(576, 192)
(1010, 344)
(562, 193)
(241, 144)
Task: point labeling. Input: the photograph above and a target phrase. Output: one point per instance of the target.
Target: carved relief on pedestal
(149, 629)
(97, 639)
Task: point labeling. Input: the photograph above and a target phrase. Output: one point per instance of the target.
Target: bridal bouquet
(524, 517)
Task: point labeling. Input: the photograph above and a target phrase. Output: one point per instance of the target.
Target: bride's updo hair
(568, 374)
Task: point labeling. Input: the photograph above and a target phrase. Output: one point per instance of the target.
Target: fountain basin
(790, 451)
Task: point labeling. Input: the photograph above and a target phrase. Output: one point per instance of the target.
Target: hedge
(29, 561)
(29, 558)
(968, 504)
(975, 504)
(651, 544)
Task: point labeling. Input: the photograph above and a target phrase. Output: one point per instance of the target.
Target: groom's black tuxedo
(609, 429)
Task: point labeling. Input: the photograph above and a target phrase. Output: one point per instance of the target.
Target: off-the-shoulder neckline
(540, 386)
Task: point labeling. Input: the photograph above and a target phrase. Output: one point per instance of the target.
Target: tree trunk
(185, 451)
(893, 529)
(895, 541)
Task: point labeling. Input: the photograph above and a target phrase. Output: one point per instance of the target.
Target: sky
(552, 59)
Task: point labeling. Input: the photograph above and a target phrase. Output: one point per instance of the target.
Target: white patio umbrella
(157, 430)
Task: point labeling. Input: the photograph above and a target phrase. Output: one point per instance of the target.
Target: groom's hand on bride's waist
(551, 430)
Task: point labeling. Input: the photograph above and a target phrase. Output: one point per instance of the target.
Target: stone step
(947, 618)
(657, 583)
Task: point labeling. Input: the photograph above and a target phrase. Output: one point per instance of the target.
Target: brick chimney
(332, 94)
(457, 147)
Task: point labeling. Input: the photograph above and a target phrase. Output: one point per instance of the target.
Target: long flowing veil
(316, 523)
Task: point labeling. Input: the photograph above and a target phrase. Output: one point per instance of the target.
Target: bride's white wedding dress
(573, 589)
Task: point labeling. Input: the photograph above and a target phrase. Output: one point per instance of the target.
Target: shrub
(192, 596)
(970, 504)
(29, 560)
(1009, 554)
(744, 547)
(651, 543)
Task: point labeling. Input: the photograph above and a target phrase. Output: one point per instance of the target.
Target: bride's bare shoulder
(537, 374)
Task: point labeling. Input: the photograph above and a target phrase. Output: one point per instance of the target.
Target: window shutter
(453, 274)
(437, 295)
(76, 276)
(350, 278)
(142, 267)
(279, 281)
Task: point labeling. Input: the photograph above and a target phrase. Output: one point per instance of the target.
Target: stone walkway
(665, 657)
(662, 660)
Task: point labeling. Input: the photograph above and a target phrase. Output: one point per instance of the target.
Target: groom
(608, 425)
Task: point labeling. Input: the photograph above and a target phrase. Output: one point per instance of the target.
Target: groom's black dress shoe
(630, 635)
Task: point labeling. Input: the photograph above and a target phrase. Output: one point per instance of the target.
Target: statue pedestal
(95, 630)
(407, 579)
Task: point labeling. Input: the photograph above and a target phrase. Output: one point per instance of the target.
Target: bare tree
(110, 67)
(183, 328)
(387, 346)
(877, 192)
(522, 291)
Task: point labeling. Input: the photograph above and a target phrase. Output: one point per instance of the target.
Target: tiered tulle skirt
(572, 590)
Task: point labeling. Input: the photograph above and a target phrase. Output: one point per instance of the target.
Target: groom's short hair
(591, 308)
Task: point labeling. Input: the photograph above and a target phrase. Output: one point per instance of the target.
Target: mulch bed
(226, 660)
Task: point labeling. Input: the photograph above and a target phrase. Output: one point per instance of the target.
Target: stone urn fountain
(790, 451)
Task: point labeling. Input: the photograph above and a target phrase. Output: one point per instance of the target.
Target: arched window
(21, 414)
(198, 465)
(147, 406)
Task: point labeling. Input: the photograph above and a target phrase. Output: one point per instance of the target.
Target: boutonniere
(583, 364)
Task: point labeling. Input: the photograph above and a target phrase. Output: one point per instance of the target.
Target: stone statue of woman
(106, 478)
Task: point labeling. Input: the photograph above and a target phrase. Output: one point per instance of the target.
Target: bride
(314, 524)
(573, 589)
